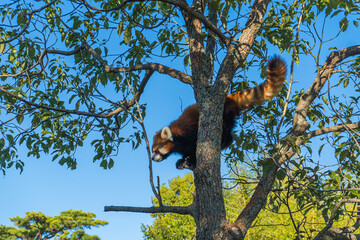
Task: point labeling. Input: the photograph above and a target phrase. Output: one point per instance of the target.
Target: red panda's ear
(166, 134)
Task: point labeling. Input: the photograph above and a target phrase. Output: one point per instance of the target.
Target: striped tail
(276, 72)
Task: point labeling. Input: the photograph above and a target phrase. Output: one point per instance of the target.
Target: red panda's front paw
(181, 164)
(184, 163)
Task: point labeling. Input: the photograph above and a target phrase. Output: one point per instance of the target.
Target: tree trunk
(210, 215)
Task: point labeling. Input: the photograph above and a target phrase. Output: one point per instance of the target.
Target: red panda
(181, 136)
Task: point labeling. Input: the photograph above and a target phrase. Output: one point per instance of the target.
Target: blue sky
(50, 188)
(47, 187)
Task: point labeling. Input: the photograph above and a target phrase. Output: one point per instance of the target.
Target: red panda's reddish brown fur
(181, 136)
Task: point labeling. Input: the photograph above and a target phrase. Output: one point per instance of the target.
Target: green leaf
(344, 24)
(280, 175)
(104, 164)
(356, 24)
(2, 46)
(20, 118)
(21, 17)
(127, 34)
(2, 143)
(111, 163)
(320, 149)
(120, 28)
(326, 101)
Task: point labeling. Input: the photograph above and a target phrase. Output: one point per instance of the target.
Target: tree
(69, 224)
(65, 73)
(275, 221)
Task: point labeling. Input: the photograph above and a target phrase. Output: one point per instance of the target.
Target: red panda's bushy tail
(276, 72)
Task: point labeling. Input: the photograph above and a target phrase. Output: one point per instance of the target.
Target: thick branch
(238, 53)
(163, 209)
(251, 29)
(300, 123)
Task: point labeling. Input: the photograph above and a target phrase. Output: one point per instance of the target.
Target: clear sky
(50, 188)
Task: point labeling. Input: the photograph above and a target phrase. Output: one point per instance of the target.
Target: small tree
(69, 224)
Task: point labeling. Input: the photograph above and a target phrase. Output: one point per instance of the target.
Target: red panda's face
(162, 146)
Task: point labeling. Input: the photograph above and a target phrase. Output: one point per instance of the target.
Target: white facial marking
(163, 151)
(157, 157)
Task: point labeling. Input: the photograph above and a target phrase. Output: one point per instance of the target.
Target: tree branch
(82, 113)
(333, 214)
(251, 29)
(238, 53)
(30, 14)
(259, 197)
(337, 128)
(183, 6)
(39, 61)
(149, 66)
(163, 209)
(185, 78)
(324, 73)
(262, 190)
(294, 54)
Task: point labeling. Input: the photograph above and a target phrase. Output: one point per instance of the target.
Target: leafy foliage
(286, 210)
(69, 224)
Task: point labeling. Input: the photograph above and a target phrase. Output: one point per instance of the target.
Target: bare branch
(337, 128)
(141, 122)
(51, 108)
(82, 113)
(163, 209)
(66, 53)
(149, 66)
(348, 72)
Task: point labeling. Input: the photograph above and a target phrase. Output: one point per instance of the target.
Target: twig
(291, 73)
(30, 14)
(141, 122)
(183, 6)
